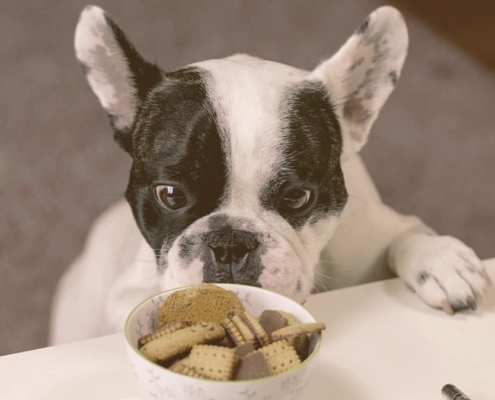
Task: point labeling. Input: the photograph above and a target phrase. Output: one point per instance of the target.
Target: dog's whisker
(316, 283)
(317, 280)
(315, 289)
(323, 276)
(319, 277)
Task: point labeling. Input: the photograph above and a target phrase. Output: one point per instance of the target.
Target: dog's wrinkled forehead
(255, 101)
(255, 119)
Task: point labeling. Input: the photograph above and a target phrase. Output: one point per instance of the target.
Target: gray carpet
(431, 151)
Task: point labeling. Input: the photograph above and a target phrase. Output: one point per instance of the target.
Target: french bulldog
(248, 171)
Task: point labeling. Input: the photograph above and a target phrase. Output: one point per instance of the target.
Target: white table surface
(381, 343)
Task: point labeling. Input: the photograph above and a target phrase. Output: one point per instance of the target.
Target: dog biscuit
(244, 329)
(213, 362)
(298, 330)
(173, 344)
(300, 343)
(271, 320)
(280, 356)
(194, 304)
(165, 330)
(256, 328)
(183, 369)
(253, 366)
(182, 360)
(243, 350)
(233, 333)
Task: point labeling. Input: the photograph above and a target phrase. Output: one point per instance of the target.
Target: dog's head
(236, 173)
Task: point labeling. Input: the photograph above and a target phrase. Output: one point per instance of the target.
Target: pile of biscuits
(205, 332)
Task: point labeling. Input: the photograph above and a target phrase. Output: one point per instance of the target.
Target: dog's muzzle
(231, 256)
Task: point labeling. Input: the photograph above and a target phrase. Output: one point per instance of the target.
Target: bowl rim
(306, 361)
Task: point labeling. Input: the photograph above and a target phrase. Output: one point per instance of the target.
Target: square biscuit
(212, 362)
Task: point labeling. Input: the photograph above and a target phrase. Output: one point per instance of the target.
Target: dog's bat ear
(362, 74)
(119, 76)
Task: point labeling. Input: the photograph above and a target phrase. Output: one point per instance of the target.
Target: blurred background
(431, 151)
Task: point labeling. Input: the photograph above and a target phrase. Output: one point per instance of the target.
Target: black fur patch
(144, 76)
(176, 142)
(313, 146)
(234, 232)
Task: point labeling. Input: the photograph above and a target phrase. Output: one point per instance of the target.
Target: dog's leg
(81, 302)
(374, 242)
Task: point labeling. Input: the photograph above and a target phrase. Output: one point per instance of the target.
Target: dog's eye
(170, 196)
(297, 198)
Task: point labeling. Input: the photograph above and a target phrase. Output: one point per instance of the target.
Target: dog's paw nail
(469, 303)
(447, 307)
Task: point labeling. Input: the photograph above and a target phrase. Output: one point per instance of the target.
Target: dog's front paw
(443, 271)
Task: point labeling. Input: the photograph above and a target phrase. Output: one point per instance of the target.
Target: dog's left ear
(362, 74)
(119, 76)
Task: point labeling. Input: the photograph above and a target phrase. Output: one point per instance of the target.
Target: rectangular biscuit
(183, 369)
(233, 333)
(297, 330)
(166, 347)
(256, 328)
(165, 330)
(244, 329)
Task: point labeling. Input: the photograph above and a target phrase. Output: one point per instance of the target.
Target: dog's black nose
(229, 250)
(226, 254)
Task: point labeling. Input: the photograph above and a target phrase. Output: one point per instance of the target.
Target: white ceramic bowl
(161, 384)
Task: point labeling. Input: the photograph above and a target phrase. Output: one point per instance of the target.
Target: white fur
(385, 36)
(109, 75)
(452, 273)
(246, 91)
(370, 242)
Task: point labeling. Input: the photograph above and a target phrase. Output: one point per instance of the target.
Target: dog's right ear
(119, 76)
